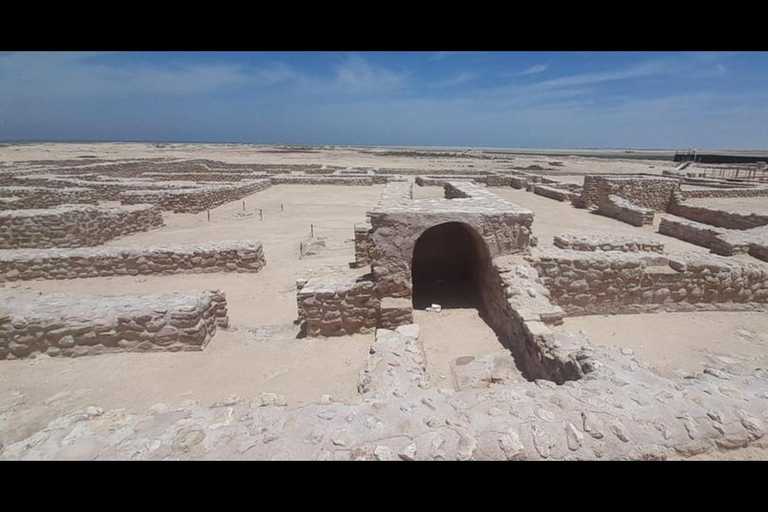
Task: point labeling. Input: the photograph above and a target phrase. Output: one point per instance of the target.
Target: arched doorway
(448, 265)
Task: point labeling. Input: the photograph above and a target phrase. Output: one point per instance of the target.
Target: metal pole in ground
(243, 205)
(281, 206)
(261, 214)
(312, 231)
(209, 215)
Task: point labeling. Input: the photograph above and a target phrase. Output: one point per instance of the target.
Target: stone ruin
(579, 401)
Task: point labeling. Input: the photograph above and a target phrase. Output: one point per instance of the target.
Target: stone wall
(202, 176)
(717, 217)
(336, 306)
(18, 198)
(236, 256)
(366, 181)
(362, 244)
(518, 308)
(74, 226)
(647, 191)
(625, 211)
(601, 242)
(553, 193)
(726, 192)
(78, 325)
(194, 200)
(497, 226)
(703, 235)
(597, 283)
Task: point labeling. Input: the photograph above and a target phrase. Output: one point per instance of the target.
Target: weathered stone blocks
(77, 325)
(235, 256)
(74, 226)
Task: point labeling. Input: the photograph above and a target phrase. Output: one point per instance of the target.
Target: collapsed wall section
(77, 325)
(74, 226)
(235, 256)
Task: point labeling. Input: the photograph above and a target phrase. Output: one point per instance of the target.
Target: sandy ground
(451, 334)
(341, 156)
(260, 354)
(687, 341)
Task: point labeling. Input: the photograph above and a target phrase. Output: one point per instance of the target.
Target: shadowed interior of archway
(446, 268)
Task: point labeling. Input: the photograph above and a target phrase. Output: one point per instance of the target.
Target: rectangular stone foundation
(26, 264)
(598, 283)
(77, 325)
(74, 226)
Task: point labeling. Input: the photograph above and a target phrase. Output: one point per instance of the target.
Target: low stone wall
(395, 312)
(194, 200)
(519, 310)
(202, 176)
(322, 180)
(621, 209)
(600, 242)
(726, 192)
(26, 264)
(645, 191)
(74, 226)
(703, 235)
(597, 283)
(553, 193)
(336, 306)
(78, 325)
(518, 183)
(363, 244)
(18, 198)
(717, 217)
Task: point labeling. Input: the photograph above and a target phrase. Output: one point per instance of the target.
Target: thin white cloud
(534, 70)
(356, 74)
(638, 71)
(461, 78)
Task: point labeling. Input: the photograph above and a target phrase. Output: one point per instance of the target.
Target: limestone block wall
(601, 242)
(596, 283)
(322, 180)
(498, 227)
(621, 209)
(717, 217)
(700, 234)
(74, 226)
(77, 325)
(234, 256)
(726, 192)
(362, 244)
(203, 176)
(194, 200)
(519, 310)
(647, 191)
(553, 193)
(331, 306)
(15, 198)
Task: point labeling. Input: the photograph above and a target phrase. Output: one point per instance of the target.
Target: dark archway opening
(447, 267)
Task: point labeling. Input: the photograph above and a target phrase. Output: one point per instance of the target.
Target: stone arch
(449, 266)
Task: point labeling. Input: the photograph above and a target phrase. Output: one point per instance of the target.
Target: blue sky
(491, 99)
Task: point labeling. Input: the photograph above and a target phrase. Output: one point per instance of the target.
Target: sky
(671, 100)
